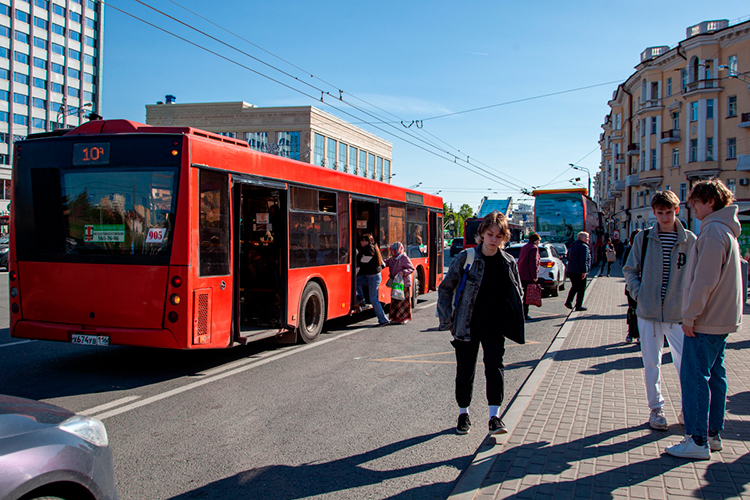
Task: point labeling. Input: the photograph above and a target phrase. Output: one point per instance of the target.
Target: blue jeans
(704, 383)
(373, 283)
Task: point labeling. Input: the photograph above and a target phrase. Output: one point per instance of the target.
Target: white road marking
(248, 364)
(17, 343)
(109, 405)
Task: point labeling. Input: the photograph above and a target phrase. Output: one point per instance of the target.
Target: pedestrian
(609, 257)
(488, 309)
(633, 333)
(370, 263)
(655, 280)
(399, 264)
(528, 267)
(579, 264)
(628, 246)
(711, 310)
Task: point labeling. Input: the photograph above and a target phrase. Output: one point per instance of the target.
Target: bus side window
(213, 229)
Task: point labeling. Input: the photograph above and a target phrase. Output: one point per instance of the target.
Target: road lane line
(250, 363)
(240, 362)
(17, 343)
(107, 406)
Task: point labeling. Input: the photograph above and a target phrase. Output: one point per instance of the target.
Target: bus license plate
(79, 338)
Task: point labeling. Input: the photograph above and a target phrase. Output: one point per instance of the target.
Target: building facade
(683, 116)
(303, 133)
(50, 70)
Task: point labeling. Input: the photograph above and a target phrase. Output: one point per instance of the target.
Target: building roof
(487, 206)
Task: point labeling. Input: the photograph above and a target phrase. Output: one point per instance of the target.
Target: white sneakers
(688, 449)
(714, 443)
(657, 421)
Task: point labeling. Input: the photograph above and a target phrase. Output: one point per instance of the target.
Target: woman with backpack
(399, 264)
(481, 302)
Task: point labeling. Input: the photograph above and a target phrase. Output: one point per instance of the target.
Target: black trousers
(577, 287)
(493, 345)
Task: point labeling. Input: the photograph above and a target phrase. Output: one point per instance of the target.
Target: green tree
(463, 213)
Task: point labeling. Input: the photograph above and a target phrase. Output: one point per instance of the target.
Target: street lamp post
(582, 169)
(66, 110)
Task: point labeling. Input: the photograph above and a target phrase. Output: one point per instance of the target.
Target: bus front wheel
(312, 309)
(415, 290)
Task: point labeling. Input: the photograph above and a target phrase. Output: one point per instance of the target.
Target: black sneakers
(497, 426)
(464, 424)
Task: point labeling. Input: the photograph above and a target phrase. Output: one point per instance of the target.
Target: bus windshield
(559, 216)
(118, 212)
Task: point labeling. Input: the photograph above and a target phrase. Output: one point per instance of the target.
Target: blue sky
(414, 61)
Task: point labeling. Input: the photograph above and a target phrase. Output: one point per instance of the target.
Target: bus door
(261, 243)
(365, 219)
(436, 249)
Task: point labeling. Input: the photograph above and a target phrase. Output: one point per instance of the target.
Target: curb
(472, 478)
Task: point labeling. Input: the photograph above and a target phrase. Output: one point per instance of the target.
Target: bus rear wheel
(312, 309)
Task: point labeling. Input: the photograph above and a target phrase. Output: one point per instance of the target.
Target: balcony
(744, 121)
(701, 86)
(619, 158)
(650, 105)
(701, 170)
(670, 136)
(634, 149)
(632, 180)
(618, 186)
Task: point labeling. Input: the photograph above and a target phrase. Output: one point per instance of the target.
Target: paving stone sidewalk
(585, 433)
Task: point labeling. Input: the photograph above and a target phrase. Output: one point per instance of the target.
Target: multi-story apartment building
(50, 70)
(303, 133)
(684, 115)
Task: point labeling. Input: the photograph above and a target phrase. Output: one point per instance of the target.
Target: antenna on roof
(170, 99)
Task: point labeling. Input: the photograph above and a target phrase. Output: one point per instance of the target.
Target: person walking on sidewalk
(528, 267)
(487, 310)
(579, 264)
(609, 257)
(658, 290)
(711, 309)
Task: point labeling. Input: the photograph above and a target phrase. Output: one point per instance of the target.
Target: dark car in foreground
(456, 246)
(50, 452)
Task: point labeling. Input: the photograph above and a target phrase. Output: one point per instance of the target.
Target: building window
(232, 135)
(387, 170)
(88, 77)
(74, 16)
(57, 68)
(653, 125)
(709, 148)
(693, 149)
(709, 109)
(42, 4)
(676, 120)
(5, 10)
(379, 169)
(21, 58)
(74, 54)
(363, 163)
(57, 29)
(19, 36)
(732, 185)
(74, 73)
(58, 49)
(58, 9)
(683, 79)
(693, 111)
(40, 43)
(257, 140)
(40, 63)
(90, 23)
(643, 128)
(39, 103)
(731, 148)
(89, 59)
(4, 74)
(39, 22)
(73, 92)
(21, 78)
(732, 63)
(669, 87)
(732, 105)
(5, 31)
(618, 121)
(319, 150)
(683, 191)
(38, 123)
(3, 117)
(23, 16)
(4, 95)
(20, 119)
(56, 87)
(21, 99)
(371, 165)
(331, 154)
(289, 144)
(56, 107)
(342, 157)
(90, 41)
(675, 157)
(39, 83)
(653, 159)
(352, 160)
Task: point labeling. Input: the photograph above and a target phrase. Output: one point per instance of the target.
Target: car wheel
(553, 291)
(312, 311)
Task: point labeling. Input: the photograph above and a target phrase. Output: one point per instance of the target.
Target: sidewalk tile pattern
(585, 433)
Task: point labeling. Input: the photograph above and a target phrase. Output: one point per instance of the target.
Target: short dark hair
(534, 237)
(665, 200)
(712, 190)
(493, 218)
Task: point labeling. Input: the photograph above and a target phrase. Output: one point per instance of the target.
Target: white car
(551, 267)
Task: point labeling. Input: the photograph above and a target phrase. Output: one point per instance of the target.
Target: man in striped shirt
(655, 281)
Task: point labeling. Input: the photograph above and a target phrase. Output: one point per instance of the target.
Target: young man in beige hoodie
(711, 310)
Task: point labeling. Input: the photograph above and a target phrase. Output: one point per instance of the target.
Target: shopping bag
(397, 288)
(533, 295)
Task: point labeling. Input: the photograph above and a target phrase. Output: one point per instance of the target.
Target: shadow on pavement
(287, 482)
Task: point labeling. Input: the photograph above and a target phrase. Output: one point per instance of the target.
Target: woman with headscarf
(400, 264)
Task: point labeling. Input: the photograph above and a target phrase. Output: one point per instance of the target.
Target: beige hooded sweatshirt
(712, 294)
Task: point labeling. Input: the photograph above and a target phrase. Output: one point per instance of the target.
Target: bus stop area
(578, 428)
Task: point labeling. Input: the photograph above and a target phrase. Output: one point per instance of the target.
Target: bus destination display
(91, 153)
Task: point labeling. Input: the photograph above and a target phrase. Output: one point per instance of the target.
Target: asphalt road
(362, 413)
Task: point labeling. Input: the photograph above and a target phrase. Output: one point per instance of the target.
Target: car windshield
(4, 240)
(514, 251)
(543, 253)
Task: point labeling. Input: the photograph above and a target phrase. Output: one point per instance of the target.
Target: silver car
(551, 268)
(47, 451)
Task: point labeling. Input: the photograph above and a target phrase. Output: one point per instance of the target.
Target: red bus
(560, 214)
(127, 234)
